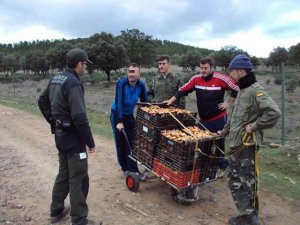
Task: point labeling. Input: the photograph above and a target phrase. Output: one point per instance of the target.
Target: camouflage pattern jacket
(162, 89)
(252, 106)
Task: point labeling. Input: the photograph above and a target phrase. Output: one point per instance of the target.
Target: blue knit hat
(241, 61)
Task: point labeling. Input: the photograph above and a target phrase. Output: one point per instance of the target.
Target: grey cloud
(160, 19)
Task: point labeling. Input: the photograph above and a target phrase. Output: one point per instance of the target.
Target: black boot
(237, 220)
(251, 219)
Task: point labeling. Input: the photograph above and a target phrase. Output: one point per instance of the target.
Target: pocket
(78, 165)
(243, 114)
(66, 141)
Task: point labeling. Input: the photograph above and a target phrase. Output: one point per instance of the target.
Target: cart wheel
(179, 197)
(132, 182)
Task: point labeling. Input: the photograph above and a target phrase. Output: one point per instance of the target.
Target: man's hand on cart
(170, 101)
(120, 126)
(223, 133)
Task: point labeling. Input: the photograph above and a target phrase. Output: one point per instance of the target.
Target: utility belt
(63, 125)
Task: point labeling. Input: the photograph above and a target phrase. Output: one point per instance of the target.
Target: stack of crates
(178, 160)
(147, 132)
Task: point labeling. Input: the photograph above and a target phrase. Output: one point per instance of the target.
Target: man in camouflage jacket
(252, 112)
(166, 84)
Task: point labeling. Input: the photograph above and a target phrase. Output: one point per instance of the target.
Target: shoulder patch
(259, 94)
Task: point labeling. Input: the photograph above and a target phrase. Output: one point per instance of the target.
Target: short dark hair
(133, 64)
(164, 57)
(207, 60)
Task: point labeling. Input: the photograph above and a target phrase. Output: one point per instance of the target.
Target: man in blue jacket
(128, 91)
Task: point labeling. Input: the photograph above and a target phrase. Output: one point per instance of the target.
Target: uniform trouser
(72, 178)
(123, 150)
(243, 181)
(214, 126)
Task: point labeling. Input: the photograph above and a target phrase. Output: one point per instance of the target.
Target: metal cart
(161, 158)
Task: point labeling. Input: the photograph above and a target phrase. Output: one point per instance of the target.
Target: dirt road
(28, 165)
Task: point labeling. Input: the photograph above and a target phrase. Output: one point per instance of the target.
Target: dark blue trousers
(123, 150)
(214, 126)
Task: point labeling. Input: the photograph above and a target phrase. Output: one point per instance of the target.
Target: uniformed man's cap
(77, 55)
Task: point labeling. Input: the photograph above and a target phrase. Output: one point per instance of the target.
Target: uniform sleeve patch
(259, 94)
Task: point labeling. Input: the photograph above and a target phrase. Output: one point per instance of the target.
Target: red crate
(178, 179)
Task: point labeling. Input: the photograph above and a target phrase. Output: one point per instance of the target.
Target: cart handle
(126, 138)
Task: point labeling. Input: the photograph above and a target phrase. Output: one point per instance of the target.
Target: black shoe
(236, 220)
(251, 219)
(55, 219)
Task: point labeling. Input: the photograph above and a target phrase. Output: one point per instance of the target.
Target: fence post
(282, 72)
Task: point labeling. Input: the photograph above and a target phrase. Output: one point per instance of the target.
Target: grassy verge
(280, 171)
(99, 122)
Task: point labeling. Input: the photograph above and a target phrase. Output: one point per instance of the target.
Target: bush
(277, 80)
(291, 85)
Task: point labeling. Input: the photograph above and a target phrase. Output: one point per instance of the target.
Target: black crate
(161, 120)
(184, 149)
(145, 143)
(209, 163)
(182, 164)
(211, 148)
(187, 148)
(209, 169)
(144, 157)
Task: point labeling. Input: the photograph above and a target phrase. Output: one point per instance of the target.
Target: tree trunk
(108, 75)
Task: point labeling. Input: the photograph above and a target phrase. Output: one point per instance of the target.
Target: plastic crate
(209, 169)
(178, 163)
(178, 179)
(144, 143)
(144, 157)
(161, 120)
(185, 149)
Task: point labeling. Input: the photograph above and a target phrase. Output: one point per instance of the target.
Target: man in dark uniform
(62, 104)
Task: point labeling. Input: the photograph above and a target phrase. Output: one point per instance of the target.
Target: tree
(39, 64)
(139, 47)
(9, 64)
(107, 53)
(224, 56)
(56, 57)
(190, 61)
(277, 56)
(295, 54)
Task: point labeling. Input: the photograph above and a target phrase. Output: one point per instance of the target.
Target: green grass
(277, 166)
(99, 121)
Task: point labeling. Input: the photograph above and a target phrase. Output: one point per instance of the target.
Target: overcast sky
(254, 26)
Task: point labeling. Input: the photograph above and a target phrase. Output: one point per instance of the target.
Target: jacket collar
(247, 81)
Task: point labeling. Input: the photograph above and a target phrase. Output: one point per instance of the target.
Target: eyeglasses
(131, 71)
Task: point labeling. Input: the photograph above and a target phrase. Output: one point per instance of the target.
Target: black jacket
(63, 99)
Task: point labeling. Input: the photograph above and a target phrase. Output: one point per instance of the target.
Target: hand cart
(162, 158)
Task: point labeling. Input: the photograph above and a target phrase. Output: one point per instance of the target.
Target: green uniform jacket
(162, 89)
(252, 106)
